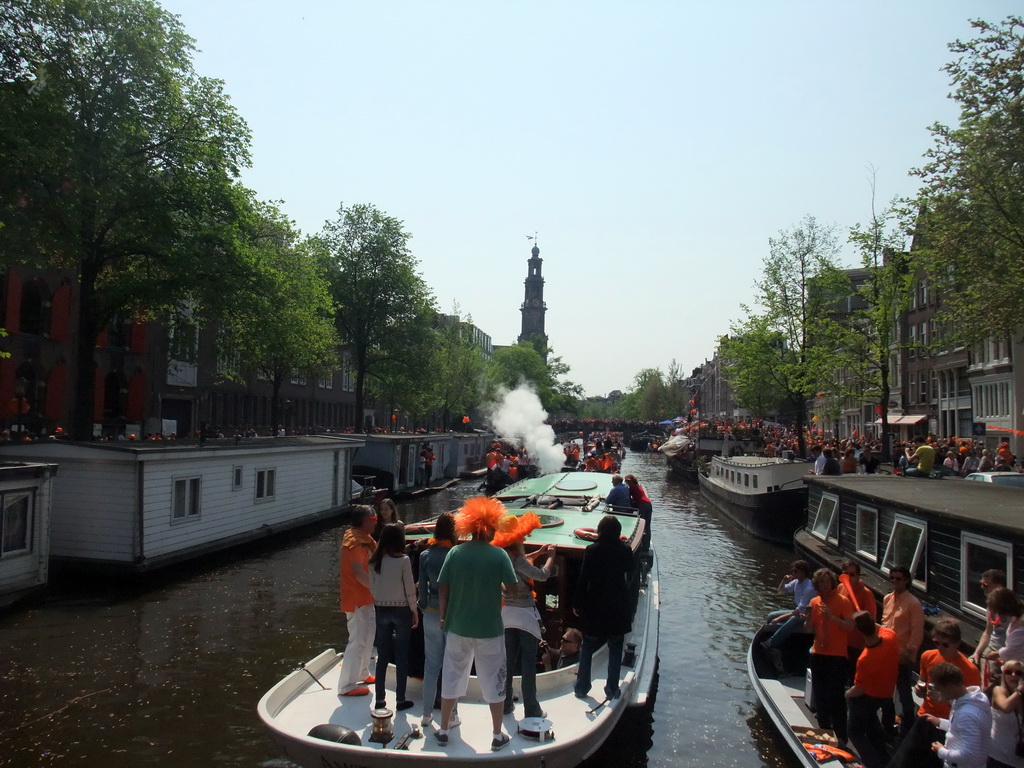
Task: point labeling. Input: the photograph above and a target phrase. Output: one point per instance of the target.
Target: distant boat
(766, 496)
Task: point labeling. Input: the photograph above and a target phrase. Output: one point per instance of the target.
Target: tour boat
(766, 496)
(782, 696)
(314, 727)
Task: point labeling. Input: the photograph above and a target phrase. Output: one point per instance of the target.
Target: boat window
(746, 479)
(755, 481)
(16, 524)
(266, 479)
(187, 498)
(977, 555)
(236, 478)
(826, 520)
(905, 547)
(867, 532)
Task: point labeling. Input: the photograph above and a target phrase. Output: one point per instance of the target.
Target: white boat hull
(297, 704)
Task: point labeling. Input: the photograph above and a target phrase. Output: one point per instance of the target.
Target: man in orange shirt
(902, 613)
(831, 617)
(873, 685)
(916, 748)
(357, 602)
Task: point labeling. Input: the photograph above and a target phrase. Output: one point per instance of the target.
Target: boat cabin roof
(963, 503)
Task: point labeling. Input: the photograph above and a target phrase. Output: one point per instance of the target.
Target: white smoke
(519, 418)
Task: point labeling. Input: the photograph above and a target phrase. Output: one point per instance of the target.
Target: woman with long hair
(639, 499)
(1007, 718)
(431, 560)
(387, 513)
(394, 596)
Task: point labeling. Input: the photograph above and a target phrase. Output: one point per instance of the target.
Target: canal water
(167, 671)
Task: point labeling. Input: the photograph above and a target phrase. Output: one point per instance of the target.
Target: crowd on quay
(861, 665)
(473, 595)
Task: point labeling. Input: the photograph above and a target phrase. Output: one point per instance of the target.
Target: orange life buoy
(587, 534)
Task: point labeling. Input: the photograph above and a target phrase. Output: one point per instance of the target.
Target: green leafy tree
(283, 325)
(885, 287)
(460, 366)
(118, 164)
(384, 307)
(972, 197)
(795, 342)
(523, 364)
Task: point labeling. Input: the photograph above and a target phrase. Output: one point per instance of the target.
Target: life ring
(587, 534)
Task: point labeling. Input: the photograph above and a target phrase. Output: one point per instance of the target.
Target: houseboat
(766, 496)
(135, 506)
(26, 492)
(393, 460)
(313, 727)
(946, 531)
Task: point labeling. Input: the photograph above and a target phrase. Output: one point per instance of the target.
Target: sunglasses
(1014, 672)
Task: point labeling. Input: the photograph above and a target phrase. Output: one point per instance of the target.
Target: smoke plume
(519, 418)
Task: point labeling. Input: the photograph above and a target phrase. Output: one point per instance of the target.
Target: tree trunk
(83, 381)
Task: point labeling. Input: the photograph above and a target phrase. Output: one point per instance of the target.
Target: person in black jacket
(603, 603)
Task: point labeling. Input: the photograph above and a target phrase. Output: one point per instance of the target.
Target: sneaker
(455, 721)
(369, 680)
(500, 742)
(402, 705)
(361, 691)
(426, 720)
(441, 738)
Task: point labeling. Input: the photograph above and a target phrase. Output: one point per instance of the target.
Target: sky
(653, 148)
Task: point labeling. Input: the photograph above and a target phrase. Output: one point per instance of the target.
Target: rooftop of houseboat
(951, 497)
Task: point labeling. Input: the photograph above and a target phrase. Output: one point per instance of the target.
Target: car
(1012, 479)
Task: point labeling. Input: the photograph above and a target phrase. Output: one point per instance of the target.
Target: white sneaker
(425, 720)
(455, 721)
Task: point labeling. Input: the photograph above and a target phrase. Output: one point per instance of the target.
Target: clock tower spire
(533, 307)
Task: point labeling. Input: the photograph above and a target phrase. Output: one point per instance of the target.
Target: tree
(460, 365)
(384, 307)
(972, 198)
(793, 343)
(885, 290)
(283, 324)
(118, 165)
(523, 364)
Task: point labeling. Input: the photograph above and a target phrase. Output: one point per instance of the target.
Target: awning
(904, 421)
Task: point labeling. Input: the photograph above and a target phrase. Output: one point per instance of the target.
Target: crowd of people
(474, 596)
(862, 665)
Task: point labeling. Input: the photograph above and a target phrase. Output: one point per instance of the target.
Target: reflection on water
(168, 671)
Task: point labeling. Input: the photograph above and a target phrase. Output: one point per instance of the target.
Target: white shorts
(460, 653)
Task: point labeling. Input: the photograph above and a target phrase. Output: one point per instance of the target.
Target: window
(265, 481)
(299, 379)
(187, 494)
(755, 481)
(977, 555)
(905, 547)
(867, 532)
(16, 523)
(826, 520)
(236, 478)
(327, 382)
(912, 389)
(746, 479)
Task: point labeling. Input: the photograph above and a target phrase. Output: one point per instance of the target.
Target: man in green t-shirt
(469, 596)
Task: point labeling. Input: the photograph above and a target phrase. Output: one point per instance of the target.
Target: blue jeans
(433, 648)
(592, 643)
(783, 629)
(521, 657)
(393, 628)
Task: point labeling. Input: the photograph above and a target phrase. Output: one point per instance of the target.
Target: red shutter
(56, 386)
(60, 314)
(136, 397)
(138, 336)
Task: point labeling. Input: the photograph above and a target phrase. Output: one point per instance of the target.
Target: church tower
(533, 308)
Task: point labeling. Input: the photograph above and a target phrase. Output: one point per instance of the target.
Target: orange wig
(516, 530)
(478, 514)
